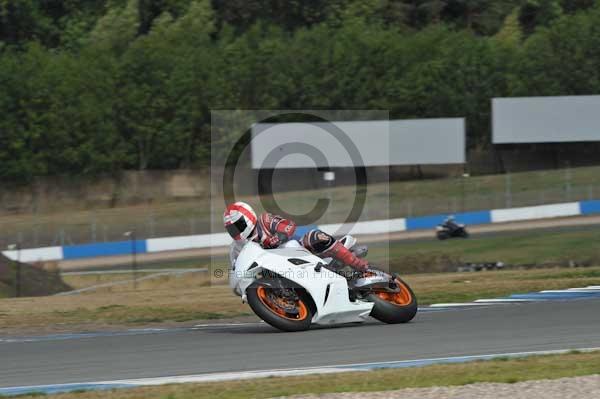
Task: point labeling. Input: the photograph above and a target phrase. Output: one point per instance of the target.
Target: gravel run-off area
(564, 388)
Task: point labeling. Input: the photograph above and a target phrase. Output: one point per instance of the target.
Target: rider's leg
(324, 245)
(351, 243)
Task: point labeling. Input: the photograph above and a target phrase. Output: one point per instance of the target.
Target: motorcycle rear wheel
(267, 304)
(394, 308)
(442, 235)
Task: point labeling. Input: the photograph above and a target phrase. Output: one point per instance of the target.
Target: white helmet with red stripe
(239, 219)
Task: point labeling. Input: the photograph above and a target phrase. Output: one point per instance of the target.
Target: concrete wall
(59, 193)
(139, 187)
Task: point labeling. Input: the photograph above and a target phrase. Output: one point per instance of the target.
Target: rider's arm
(283, 228)
(276, 230)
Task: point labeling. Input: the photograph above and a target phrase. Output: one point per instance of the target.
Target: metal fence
(474, 202)
(107, 225)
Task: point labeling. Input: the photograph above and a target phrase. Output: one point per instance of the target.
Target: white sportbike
(290, 288)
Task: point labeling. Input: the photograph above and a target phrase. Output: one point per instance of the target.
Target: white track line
(217, 325)
(570, 291)
(458, 304)
(497, 301)
(504, 300)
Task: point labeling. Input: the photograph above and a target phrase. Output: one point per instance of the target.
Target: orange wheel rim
(401, 298)
(268, 302)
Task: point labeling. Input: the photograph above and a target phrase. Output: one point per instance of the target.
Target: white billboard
(546, 119)
(360, 143)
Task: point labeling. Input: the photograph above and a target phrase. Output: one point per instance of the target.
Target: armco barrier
(33, 255)
(590, 207)
(369, 227)
(103, 249)
(428, 222)
(187, 242)
(536, 212)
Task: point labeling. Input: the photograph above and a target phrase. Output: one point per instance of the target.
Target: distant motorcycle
(450, 229)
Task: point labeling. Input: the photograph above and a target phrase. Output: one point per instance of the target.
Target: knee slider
(317, 241)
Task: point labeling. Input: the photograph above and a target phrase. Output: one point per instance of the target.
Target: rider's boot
(350, 242)
(360, 251)
(340, 253)
(325, 245)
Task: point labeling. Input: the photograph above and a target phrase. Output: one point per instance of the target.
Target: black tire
(464, 234)
(442, 235)
(274, 319)
(393, 313)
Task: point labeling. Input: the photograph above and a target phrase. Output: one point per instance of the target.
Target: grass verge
(502, 371)
(174, 299)
(465, 287)
(534, 247)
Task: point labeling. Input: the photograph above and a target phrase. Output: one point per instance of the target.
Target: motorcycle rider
(271, 231)
(449, 222)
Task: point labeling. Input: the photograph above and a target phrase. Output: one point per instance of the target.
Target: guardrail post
(131, 235)
(93, 229)
(18, 271)
(192, 226)
(507, 193)
(568, 181)
(134, 260)
(17, 266)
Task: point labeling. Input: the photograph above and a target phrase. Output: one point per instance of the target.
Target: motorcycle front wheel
(278, 310)
(394, 308)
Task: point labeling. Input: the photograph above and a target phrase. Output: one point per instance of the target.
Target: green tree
(162, 109)
(57, 116)
(22, 20)
(536, 13)
(571, 6)
(511, 32)
(484, 17)
(562, 59)
(287, 14)
(117, 29)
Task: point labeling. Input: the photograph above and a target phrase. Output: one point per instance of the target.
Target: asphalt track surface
(483, 330)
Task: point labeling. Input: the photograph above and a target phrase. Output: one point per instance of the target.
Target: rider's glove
(271, 241)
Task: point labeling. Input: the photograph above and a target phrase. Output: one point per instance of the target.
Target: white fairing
(332, 308)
